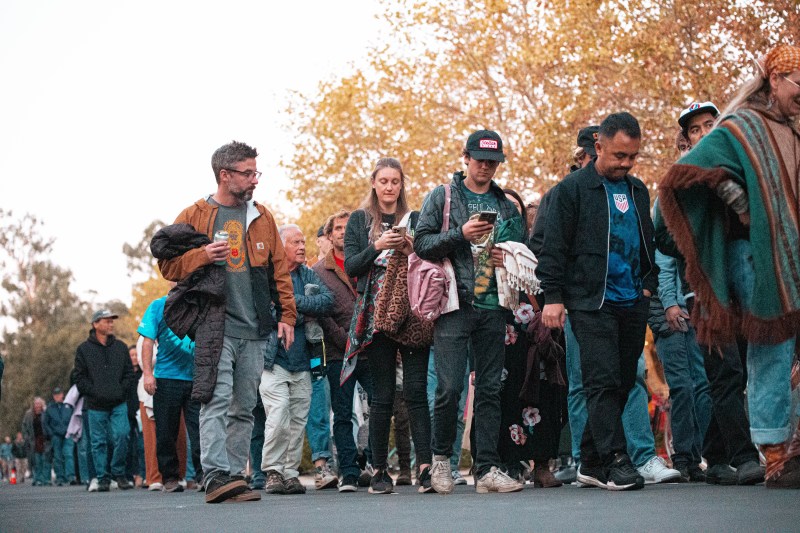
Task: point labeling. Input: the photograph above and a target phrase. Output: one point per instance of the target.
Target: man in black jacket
(597, 260)
(104, 376)
(479, 321)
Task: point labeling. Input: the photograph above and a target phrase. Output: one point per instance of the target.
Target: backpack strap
(446, 210)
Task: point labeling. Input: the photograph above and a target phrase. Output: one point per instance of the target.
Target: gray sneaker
(458, 479)
(324, 478)
(495, 480)
(441, 478)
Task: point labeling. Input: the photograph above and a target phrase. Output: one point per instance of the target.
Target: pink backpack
(431, 284)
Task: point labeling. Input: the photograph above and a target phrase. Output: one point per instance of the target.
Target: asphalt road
(672, 507)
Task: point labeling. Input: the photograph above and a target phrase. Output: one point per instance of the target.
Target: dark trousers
(485, 331)
(257, 440)
(611, 340)
(342, 406)
(173, 397)
(402, 431)
(728, 437)
(383, 365)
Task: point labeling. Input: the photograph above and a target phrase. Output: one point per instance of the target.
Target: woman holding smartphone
(371, 237)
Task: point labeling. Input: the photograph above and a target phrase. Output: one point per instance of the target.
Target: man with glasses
(256, 278)
(478, 204)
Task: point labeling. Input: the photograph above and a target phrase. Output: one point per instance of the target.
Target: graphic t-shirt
(623, 283)
(175, 355)
(485, 282)
(241, 319)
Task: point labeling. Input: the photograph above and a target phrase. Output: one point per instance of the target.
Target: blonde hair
(370, 203)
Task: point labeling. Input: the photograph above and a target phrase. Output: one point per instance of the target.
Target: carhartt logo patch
(259, 246)
(490, 144)
(621, 201)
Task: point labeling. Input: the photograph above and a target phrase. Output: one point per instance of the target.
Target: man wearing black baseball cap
(104, 376)
(585, 151)
(477, 204)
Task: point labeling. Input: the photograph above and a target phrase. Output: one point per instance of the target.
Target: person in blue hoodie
(56, 421)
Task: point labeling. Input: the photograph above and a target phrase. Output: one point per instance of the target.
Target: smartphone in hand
(488, 216)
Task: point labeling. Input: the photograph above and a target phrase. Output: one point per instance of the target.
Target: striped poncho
(742, 148)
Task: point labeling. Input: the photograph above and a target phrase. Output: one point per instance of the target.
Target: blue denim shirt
(669, 282)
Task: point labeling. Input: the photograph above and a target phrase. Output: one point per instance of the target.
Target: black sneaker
(348, 484)
(424, 480)
(104, 485)
(222, 487)
(123, 483)
(690, 473)
(591, 476)
(622, 475)
(721, 475)
(749, 473)
(381, 483)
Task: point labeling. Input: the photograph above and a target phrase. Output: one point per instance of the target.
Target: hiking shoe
(441, 476)
(622, 475)
(381, 483)
(293, 486)
(156, 486)
(495, 480)
(656, 471)
(172, 486)
(93, 485)
(721, 475)
(104, 485)
(276, 484)
(246, 496)
(749, 473)
(324, 478)
(222, 487)
(365, 478)
(348, 484)
(424, 480)
(591, 476)
(458, 479)
(403, 478)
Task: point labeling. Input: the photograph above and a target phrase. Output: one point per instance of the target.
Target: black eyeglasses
(246, 173)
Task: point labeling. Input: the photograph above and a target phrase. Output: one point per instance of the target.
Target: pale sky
(110, 110)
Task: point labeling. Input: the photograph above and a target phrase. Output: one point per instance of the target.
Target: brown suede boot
(543, 477)
(783, 471)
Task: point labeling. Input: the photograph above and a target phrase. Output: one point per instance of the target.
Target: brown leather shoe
(783, 472)
(544, 478)
(246, 496)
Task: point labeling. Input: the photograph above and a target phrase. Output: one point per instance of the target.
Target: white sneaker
(156, 486)
(114, 484)
(495, 480)
(656, 471)
(458, 479)
(94, 484)
(441, 478)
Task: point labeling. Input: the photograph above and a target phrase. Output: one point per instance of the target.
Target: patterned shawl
(742, 148)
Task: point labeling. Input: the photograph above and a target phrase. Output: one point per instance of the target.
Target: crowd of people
(542, 315)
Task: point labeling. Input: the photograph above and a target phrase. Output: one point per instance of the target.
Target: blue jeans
(85, 462)
(433, 382)
(690, 400)
(63, 461)
(226, 422)
(110, 428)
(41, 468)
(256, 442)
(342, 403)
(318, 427)
(635, 417)
(769, 391)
